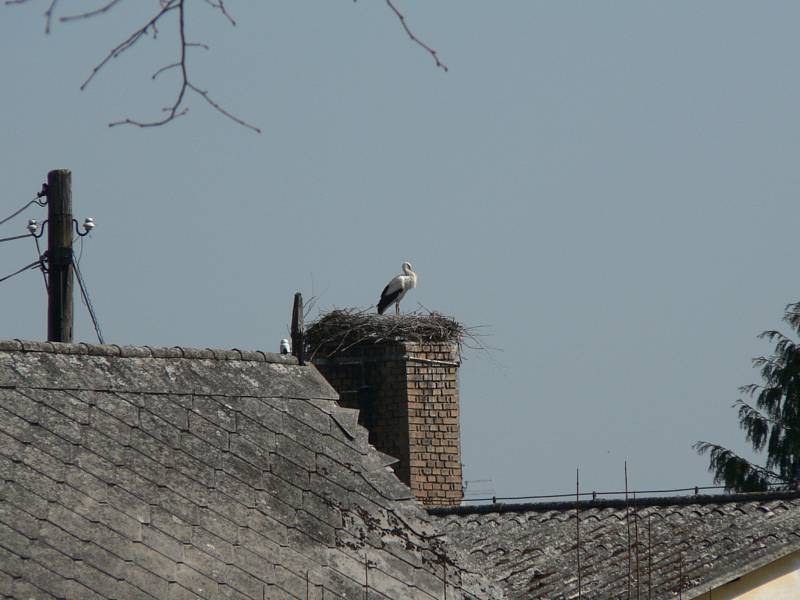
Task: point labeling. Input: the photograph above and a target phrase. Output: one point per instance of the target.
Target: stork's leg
(397, 308)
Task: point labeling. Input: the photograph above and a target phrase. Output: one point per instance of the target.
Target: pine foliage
(771, 423)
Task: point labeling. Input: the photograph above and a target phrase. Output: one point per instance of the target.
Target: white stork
(397, 288)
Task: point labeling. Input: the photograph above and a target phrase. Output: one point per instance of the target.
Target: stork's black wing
(387, 298)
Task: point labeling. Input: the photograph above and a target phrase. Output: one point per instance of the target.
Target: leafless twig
(91, 13)
(135, 37)
(342, 329)
(414, 38)
(165, 68)
(151, 27)
(220, 5)
(48, 14)
(178, 108)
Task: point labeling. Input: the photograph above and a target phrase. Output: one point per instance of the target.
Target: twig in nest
(342, 329)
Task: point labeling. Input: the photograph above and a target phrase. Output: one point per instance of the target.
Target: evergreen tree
(771, 423)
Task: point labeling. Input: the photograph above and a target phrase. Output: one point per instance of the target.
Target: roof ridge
(114, 350)
(615, 503)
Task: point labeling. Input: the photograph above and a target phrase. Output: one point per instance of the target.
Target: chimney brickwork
(407, 395)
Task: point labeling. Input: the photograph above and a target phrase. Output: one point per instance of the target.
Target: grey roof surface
(692, 544)
(179, 474)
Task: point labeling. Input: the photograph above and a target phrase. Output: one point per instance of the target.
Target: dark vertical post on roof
(59, 256)
(578, 524)
(366, 576)
(636, 543)
(628, 522)
(649, 559)
(298, 331)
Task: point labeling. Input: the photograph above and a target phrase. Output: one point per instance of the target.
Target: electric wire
(15, 237)
(695, 489)
(42, 267)
(25, 268)
(87, 301)
(34, 201)
(80, 252)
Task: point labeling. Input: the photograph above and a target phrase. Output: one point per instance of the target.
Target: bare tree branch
(165, 68)
(151, 27)
(414, 38)
(91, 13)
(48, 14)
(133, 38)
(177, 109)
(220, 109)
(220, 5)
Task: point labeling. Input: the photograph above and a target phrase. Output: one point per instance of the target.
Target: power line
(696, 490)
(15, 237)
(30, 266)
(42, 268)
(87, 302)
(80, 252)
(34, 201)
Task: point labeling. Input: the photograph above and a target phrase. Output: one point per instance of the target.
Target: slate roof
(692, 544)
(141, 473)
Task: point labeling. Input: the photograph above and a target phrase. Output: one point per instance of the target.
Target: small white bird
(285, 348)
(397, 288)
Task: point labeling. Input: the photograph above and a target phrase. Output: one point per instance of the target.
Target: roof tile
(196, 582)
(132, 465)
(240, 585)
(692, 544)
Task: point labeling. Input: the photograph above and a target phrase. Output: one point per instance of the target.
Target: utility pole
(59, 256)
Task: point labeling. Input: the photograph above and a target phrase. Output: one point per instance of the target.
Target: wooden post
(628, 521)
(298, 331)
(59, 256)
(578, 525)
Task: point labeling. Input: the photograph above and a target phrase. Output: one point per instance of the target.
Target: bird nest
(342, 329)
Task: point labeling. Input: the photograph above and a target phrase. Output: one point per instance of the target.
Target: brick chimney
(407, 395)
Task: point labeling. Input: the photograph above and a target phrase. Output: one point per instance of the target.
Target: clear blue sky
(610, 188)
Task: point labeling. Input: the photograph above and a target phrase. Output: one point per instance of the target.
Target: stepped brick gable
(408, 399)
